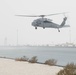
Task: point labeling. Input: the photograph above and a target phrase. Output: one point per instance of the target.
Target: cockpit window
(38, 22)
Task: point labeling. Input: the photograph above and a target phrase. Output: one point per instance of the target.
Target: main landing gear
(58, 30)
(35, 27)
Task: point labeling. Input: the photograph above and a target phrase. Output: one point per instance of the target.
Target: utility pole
(5, 41)
(70, 36)
(17, 37)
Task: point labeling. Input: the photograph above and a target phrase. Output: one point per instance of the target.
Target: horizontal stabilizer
(66, 26)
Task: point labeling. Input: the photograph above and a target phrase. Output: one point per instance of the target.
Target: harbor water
(62, 55)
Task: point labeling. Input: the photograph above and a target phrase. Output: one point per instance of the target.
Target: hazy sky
(9, 23)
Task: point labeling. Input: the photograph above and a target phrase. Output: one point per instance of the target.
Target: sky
(18, 30)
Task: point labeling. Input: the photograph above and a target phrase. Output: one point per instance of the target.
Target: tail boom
(63, 23)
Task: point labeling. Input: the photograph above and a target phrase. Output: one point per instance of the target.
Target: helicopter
(45, 22)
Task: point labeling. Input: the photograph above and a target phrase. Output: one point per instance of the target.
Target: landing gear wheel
(58, 30)
(35, 27)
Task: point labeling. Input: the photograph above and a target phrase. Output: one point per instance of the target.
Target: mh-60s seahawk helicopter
(45, 22)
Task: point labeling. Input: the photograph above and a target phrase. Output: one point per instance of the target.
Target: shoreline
(27, 61)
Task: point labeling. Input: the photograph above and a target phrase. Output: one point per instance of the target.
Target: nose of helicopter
(33, 23)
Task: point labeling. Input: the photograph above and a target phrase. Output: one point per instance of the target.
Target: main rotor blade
(28, 15)
(56, 14)
(40, 15)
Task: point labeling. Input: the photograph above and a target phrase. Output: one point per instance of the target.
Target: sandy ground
(12, 67)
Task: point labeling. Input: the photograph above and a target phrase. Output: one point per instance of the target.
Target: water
(62, 55)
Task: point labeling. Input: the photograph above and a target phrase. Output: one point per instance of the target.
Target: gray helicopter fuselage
(45, 23)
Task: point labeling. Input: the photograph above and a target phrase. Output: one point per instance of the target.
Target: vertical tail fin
(63, 23)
